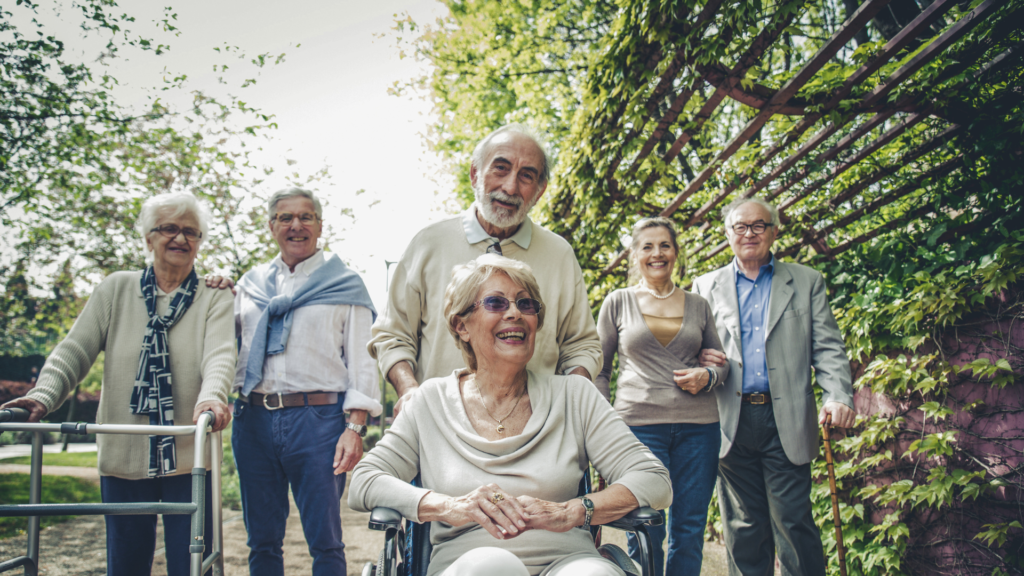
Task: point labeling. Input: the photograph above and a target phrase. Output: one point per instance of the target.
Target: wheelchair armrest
(382, 518)
(643, 516)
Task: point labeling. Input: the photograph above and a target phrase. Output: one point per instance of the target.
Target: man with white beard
(509, 173)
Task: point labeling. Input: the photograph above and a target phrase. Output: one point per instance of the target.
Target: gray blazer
(802, 334)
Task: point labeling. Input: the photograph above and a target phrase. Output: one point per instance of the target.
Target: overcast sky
(330, 101)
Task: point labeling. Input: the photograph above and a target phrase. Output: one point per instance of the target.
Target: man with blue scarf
(304, 320)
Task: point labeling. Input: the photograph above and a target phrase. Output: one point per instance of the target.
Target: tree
(76, 167)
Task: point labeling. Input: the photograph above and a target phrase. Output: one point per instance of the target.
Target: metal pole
(198, 544)
(217, 456)
(35, 490)
(840, 548)
(384, 377)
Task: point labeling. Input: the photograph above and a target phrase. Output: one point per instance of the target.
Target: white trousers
(488, 561)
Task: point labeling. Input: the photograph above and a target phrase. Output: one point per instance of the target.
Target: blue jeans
(690, 452)
(131, 539)
(291, 446)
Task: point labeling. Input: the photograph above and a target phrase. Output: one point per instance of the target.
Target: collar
(307, 266)
(769, 267)
(476, 233)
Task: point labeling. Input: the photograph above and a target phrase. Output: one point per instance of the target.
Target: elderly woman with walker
(169, 344)
(663, 394)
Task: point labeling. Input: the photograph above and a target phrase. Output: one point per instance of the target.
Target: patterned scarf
(152, 392)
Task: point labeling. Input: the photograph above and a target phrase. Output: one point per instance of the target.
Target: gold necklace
(500, 429)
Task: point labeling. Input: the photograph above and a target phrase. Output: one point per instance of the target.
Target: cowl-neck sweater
(571, 425)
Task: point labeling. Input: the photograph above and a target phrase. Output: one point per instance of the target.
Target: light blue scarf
(331, 284)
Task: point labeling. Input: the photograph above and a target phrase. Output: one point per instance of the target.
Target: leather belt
(757, 398)
(278, 401)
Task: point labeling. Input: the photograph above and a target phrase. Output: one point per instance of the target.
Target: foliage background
(929, 302)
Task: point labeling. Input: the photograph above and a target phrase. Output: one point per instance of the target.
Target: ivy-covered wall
(932, 480)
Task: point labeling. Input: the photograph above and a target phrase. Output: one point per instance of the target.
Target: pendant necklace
(500, 429)
(649, 290)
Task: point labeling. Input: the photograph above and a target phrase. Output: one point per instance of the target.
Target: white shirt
(326, 349)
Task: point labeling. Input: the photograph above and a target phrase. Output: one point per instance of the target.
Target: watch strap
(357, 428)
(588, 507)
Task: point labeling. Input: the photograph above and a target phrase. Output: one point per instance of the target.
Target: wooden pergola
(808, 165)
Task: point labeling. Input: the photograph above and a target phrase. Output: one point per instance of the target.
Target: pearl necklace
(649, 290)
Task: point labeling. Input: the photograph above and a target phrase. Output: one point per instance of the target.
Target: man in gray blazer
(776, 325)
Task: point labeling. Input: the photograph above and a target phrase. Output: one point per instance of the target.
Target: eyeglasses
(286, 218)
(527, 306)
(757, 228)
(172, 231)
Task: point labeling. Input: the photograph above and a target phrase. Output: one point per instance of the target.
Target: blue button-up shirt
(753, 296)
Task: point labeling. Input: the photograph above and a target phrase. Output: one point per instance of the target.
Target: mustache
(506, 198)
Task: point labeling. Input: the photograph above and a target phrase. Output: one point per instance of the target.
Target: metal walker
(34, 509)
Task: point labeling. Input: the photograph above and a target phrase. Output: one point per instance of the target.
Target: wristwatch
(357, 428)
(588, 507)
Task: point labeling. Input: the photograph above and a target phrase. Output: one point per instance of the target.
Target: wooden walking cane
(827, 429)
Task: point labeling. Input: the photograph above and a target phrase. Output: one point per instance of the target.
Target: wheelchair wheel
(620, 558)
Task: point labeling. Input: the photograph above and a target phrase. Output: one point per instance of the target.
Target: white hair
(291, 193)
(728, 211)
(170, 205)
(484, 147)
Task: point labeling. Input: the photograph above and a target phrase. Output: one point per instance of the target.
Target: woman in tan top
(662, 392)
(170, 356)
(501, 450)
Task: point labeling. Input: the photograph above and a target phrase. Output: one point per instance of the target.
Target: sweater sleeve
(578, 343)
(382, 478)
(616, 453)
(395, 335)
(72, 358)
(711, 340)
(218, 364)
(608, 332)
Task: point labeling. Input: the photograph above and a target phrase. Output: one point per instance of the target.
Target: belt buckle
(753, 395)
(280, 402)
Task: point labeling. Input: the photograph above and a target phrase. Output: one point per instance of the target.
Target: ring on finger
(497, 497)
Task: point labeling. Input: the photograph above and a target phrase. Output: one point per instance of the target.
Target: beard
(497, 215)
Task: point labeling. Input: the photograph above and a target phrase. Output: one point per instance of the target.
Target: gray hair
(291, 193)
(170, 205)
(466, 281)
(728, 210)
(644, 224)
(519, 129)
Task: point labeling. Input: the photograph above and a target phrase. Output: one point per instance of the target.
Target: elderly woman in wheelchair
(500, 451)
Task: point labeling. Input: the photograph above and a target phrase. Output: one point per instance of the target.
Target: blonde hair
(461, 293)
(644, 224)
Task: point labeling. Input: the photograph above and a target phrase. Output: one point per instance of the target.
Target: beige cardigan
(114, 320)
(571, 425)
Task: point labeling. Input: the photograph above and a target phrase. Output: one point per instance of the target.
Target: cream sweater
(571, 425)
(114, 320)
(412, 327)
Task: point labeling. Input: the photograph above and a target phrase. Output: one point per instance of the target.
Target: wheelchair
(407, 545)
